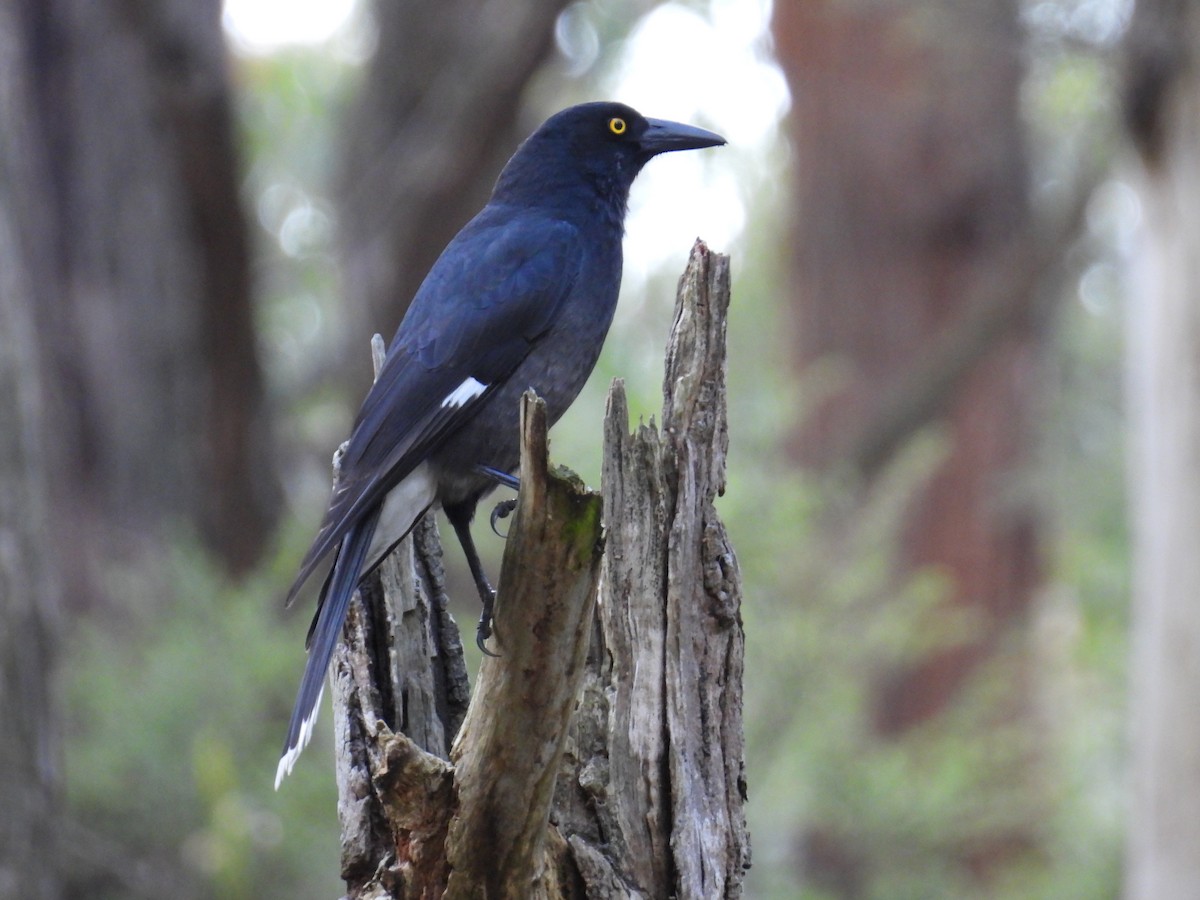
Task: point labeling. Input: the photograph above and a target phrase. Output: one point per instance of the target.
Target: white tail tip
(288, 760)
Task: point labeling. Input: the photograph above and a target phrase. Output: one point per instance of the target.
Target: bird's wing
(495, 291)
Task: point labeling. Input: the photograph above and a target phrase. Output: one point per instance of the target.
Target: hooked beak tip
(664, 136)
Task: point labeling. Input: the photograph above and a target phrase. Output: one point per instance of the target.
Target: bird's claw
(483, 630)
(502, 511)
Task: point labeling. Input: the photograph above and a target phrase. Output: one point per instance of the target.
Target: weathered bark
(508, 752)
(418, 826)
(1163, 115)
(399, 668)
(598, 758)
(653, 798)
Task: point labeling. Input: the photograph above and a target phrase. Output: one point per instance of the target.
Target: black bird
(521, 298)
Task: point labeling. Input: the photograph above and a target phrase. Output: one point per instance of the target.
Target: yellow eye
(617, 126)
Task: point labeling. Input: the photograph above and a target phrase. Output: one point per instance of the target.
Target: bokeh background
(964, 392)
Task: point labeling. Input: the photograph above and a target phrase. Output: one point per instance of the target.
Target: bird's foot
(502, 511)
(483, 630)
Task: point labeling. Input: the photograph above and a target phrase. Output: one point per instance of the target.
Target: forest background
(964, 390)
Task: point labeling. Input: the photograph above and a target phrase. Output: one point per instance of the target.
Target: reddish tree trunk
(911, 185)
(910, 194)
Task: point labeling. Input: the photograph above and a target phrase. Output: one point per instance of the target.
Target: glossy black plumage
(521, 298)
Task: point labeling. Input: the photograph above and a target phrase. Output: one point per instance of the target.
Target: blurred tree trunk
(1163, 117)
(911, 191)
(430, 129)
(29, 738)
(144, 312)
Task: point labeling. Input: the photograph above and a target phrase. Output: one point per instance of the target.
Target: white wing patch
(464, 393)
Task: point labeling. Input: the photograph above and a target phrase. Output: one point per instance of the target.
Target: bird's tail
(323, 638)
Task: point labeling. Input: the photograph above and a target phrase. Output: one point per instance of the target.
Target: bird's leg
(460, 517)
(500, 477)
(504, 508)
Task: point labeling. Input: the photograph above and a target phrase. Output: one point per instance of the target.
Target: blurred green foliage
(176, 700)
(902, 817)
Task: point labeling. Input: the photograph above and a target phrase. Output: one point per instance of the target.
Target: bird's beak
(662, 136)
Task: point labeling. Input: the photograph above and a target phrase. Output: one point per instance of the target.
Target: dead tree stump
(602, 752)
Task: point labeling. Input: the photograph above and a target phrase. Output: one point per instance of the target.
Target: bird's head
(601, 146)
